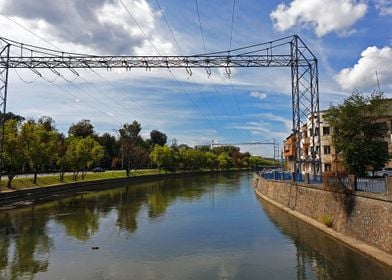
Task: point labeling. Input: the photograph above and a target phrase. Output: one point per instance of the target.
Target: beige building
(331, 160)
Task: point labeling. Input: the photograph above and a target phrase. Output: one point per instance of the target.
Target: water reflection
(204, 227)
(24, 242)
(24, 246)
(318, 254)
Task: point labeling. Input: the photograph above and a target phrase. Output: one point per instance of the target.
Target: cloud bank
(363, 74)
(103, 25)
(323, 16)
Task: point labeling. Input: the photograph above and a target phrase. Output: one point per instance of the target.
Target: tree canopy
(359, 132)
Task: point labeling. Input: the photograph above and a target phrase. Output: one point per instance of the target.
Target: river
(202, 227)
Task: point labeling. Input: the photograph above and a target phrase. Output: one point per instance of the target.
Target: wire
(232, 24)
(140, 28)
(201, 27)
(168, 26)
(25, 28)
(27, 82)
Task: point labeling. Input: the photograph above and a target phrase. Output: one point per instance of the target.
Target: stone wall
(364, 218)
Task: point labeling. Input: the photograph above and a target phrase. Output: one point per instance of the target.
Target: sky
(351, 39)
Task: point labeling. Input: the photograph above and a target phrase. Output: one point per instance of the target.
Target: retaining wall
(368, 219)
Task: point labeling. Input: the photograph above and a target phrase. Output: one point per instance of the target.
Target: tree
(224, 160)
(192, 159)
(83, 128)
(129, 139)
(61, 151)
(164, 157)
(13, 156)
(211, 161)
(82, 154)
(158, 138)
(111, 149)
(359, 131)
(39, 145)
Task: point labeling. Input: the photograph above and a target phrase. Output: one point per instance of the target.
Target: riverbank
(362, 223)
(28, 193)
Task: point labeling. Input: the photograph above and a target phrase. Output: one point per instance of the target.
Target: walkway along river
(202, 227)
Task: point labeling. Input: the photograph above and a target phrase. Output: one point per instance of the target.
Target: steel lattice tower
(289, 52)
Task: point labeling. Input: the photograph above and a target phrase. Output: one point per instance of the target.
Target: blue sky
(352, 40)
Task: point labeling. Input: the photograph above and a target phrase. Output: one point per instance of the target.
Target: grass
(44, 181)
(327, 220)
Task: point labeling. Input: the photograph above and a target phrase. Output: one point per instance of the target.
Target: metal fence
(363, 184)
(376, 185)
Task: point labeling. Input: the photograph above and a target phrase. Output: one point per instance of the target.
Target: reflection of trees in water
(79, 217)
(25, 232)
(128, 206)
(327, 258)
(24, 241)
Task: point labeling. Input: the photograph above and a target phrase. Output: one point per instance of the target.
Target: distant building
(330, 159)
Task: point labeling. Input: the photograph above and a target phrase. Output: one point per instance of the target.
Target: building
(289, 150)
(330, 159)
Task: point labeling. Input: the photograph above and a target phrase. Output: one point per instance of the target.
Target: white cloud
(363, 74)
(258, 94)
(323, 16)
(385, 7)
(101, 26)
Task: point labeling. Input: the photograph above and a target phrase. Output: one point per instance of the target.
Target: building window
(327, 167)
(327, 150)
(326, 130)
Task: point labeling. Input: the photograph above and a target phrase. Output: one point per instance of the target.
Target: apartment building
(331, 160)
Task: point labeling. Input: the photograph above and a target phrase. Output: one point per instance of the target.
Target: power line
(232, 24)
(34, 49)
(138, 25)
(201, 27)
(168, 26)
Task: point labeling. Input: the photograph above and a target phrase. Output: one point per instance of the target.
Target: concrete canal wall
(357, 219)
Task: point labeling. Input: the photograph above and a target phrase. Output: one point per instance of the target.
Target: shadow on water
(318, 253)
(25, 245)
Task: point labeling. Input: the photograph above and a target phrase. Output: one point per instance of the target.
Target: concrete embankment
(27, 196)
(361, 221)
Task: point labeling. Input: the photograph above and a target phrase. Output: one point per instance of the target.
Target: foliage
(13, 156)
(82, 154)
(158, 138)
(165, 157)
(129, 139)
(359, 132)
(83, 128)
(39, 143)
(225, 161)
(36, 146)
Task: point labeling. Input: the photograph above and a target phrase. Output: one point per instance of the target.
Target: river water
(204, 227)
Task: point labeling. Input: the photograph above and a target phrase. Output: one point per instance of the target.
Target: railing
(362, 184)
(376, 185)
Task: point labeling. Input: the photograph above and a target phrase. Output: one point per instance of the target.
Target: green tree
(111, 149)
(83, 128)
(39, 145)
(82, 154)
(61, 151)
(211, 161)
(225, 161)
(158, 138)
(129, 139)
(192, 159)
(13, 155)
(359, 131)
(165, 158)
